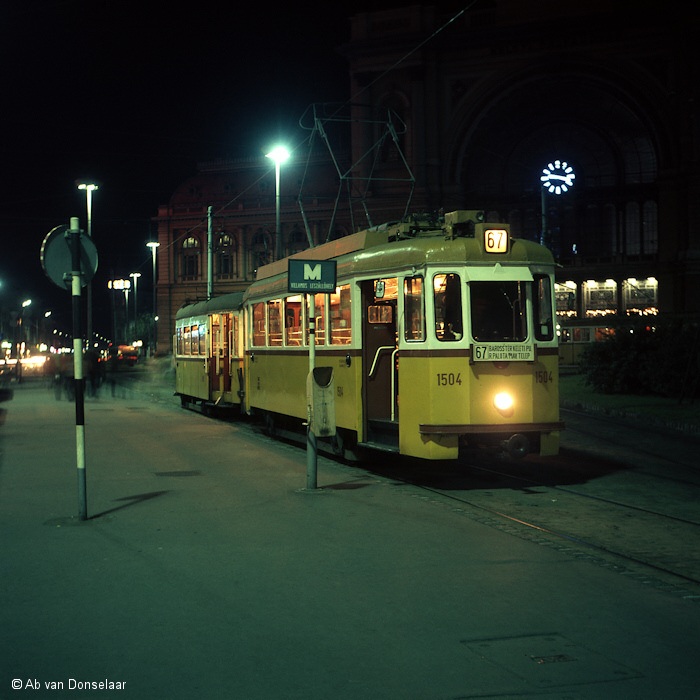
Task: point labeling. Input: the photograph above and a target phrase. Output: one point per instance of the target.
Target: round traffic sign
(57, 260)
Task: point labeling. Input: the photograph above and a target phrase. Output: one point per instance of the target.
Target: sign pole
(311, 447)
(309, 277)
(70, 260)
(73, 235)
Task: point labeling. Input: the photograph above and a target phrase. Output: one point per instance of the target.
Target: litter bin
(320, 400)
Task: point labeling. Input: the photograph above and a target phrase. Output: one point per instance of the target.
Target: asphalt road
(205, 570)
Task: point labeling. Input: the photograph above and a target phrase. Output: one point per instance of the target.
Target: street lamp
(135, 276)
(279, 154)
(23, 340)
(153, 245)
(120, 286)
(89, 188)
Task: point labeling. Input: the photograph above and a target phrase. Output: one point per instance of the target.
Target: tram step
(383, 433)
(379, 446)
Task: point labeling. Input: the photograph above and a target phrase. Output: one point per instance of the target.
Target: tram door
(379, 348)
(219, 360)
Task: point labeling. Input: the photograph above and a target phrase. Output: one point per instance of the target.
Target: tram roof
(225, 302)
(374, 252)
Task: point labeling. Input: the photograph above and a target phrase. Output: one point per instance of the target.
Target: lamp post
(135, 276)
(120, 286)
(89, 188)
(24, 338)
(279, 154)
(153, 245)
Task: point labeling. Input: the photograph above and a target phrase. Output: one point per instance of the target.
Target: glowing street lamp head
(89, 186)
(279, 155)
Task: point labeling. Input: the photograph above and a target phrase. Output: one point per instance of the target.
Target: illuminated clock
(558, 177)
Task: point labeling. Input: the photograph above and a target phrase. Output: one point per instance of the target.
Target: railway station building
(576, 123)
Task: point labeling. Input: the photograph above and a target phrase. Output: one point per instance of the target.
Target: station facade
(575, 122)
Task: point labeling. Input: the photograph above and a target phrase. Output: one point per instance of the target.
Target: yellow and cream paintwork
(442, 393)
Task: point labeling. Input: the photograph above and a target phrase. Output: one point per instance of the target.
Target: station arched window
(189, 258)
(226, 257)
(261, 249)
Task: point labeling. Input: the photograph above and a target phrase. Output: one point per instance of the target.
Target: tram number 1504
(543, 377)
(449, 378)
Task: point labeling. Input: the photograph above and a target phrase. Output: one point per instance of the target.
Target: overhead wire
(347, 103)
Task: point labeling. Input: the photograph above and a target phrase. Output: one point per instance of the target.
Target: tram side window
(216, 340)
(448, 307)
(340, 315)
(542, 308)
(194, 340)
(320, 316)
(259, 324)
(179, 342)
(274, 322)
(292, 320)
(202, 340)
(319, 319)
(414, 317)
(498, 311)
(233, 335)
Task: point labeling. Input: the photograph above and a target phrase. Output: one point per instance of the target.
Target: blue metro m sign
(311, 276)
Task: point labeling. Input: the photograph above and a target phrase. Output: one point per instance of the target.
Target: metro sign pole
(310, 277)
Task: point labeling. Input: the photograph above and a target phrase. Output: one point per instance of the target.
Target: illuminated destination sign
(496, 240)
(311, 276)
(503, 352)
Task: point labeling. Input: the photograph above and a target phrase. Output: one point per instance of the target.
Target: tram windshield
(497, 311)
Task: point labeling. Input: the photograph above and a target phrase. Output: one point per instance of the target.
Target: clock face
(558, 177)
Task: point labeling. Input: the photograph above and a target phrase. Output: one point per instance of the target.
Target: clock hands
(560, 171)
(568, 179)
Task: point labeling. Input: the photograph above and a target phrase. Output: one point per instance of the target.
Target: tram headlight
(503, 402)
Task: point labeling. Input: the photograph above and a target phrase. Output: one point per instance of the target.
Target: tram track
(643, 442)
(628, 536)
(574, 539)
(657, 545)
(591, 496)
(657, 541)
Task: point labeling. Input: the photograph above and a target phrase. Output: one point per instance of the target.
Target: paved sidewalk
(205, 571)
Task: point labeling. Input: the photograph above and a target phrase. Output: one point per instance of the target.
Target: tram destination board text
(503, 352)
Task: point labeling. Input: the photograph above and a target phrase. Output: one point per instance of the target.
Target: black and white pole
(73, 235)
(311, 447)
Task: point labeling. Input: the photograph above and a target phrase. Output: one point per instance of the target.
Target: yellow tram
(438, 333)
(208, 349)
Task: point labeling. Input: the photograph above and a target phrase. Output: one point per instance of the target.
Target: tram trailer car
(208, 347)
(439, 334)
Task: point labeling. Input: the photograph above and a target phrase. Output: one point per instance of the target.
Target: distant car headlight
(503, 402)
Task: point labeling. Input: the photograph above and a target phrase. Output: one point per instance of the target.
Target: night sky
(133, 94)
